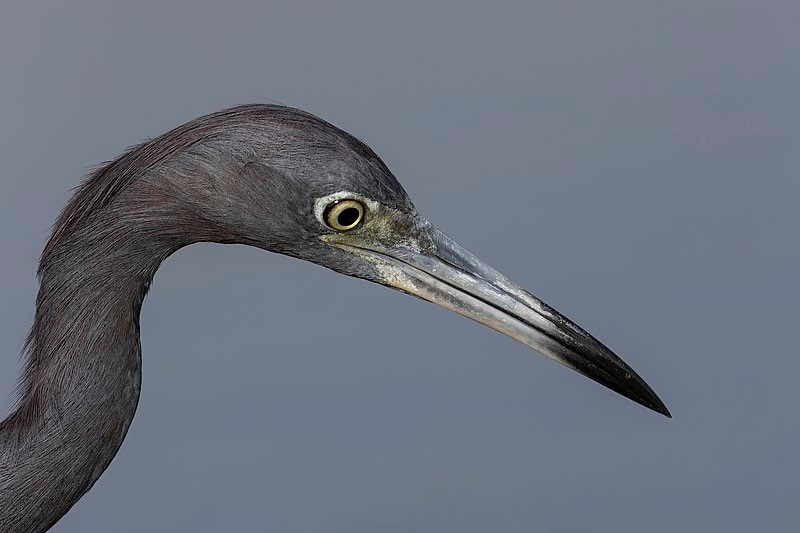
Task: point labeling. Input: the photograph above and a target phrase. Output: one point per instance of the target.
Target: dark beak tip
(629, 384)
(652, 402)
(633, 387)
(657, 406)
(661, 408)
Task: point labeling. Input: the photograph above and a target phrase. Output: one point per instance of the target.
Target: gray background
(632, 163)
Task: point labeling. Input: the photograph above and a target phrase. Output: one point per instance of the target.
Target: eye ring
(344, 215)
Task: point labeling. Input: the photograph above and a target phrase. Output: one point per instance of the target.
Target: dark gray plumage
(262, 175)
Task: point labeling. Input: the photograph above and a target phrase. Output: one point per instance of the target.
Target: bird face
(326, 197)
(398, 248)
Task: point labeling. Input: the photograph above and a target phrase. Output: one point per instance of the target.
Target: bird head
(304, 188)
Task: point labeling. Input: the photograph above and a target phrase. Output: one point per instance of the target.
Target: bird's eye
(344, 215)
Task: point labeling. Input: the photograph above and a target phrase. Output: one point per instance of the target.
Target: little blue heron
(264, 175)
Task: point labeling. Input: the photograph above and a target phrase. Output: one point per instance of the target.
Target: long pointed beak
(455, 279)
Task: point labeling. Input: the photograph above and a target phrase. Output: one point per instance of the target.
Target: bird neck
(81, 383)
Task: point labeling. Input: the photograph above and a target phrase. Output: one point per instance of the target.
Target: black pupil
(347, 217)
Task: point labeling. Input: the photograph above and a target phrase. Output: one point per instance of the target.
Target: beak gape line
(455, 279)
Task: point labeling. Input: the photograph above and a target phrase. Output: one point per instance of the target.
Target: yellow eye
(344, 215)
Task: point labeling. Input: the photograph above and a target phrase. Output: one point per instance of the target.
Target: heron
(265, 175)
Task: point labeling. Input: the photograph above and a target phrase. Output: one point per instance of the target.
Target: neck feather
(81, 383)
